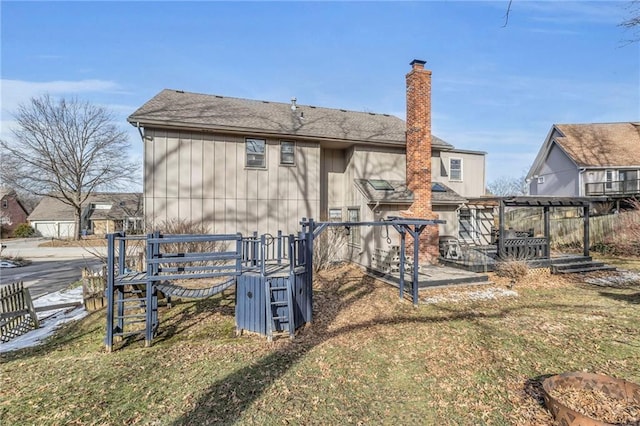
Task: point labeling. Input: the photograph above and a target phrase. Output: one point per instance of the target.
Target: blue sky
(495, 89)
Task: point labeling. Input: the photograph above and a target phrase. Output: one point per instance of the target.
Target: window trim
(293, 163)
(355, 238)
(461, 178)
(246, 153)
(334, 209)
(540, 179)
(608, 182)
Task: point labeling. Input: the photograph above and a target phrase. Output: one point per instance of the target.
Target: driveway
(52, 268)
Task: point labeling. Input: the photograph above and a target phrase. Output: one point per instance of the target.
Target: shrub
(327, 248)
(513, 269)
(24, 231)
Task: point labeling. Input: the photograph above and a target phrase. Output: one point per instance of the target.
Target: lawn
(367, 358)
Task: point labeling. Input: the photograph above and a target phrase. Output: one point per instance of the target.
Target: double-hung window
(287, 153)
(353, 215)
(256, 153)
(455, 169)
(609, 178)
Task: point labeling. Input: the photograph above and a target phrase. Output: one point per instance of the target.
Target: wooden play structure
(272, 276)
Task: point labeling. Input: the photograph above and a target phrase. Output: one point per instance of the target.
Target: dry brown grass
(367, 358)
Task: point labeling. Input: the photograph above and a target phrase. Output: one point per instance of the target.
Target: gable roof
(601, 144)
(594, 144)
(174, 108)
(122, 205)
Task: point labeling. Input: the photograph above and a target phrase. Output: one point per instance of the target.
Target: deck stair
(279, 307)
(578, 264)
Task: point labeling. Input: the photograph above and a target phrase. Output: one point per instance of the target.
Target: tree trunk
(78, 223)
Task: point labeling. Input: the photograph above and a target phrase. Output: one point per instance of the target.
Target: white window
(5, 204)
(455, 169)
(540, 179)
(353, 215)
(256, 153)
(287, 153)
(335, 215)
(609, 178)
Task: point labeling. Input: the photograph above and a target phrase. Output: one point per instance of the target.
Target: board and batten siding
(201, 177)
(473, 176)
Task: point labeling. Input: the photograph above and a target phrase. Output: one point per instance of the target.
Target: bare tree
(633, 22)
(66, 149)
(505, 186)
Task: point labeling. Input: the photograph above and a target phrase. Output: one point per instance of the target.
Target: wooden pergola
(530, 245)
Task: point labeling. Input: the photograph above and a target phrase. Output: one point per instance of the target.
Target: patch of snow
(49, 321)
(618, 278)
(459, 296)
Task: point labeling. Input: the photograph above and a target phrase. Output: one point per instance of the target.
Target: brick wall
(11, 209)
(419, 155)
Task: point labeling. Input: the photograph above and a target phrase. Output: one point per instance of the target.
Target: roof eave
(171, 125)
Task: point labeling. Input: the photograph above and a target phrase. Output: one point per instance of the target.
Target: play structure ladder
(279, 307)
(133, 306)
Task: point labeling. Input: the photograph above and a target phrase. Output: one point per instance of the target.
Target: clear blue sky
(495, 89)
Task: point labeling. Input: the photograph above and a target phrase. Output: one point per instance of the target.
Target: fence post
(110, 290)
(279, 247)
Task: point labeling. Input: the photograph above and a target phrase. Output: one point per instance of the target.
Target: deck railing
(523, 248)
(615, 187)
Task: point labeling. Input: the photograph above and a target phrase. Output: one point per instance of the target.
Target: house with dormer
(241, 165)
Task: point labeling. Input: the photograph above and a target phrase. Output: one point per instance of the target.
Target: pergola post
(585, 209)
(501, 229)
(547, 232)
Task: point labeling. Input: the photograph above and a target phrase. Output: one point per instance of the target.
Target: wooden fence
(17, 315)
(568, 230)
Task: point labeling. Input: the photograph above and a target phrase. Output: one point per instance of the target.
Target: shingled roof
(179, 109)
(400, 194)
(601, 144)
(123, 205)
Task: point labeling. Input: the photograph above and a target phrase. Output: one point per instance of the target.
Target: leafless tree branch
(66, 149)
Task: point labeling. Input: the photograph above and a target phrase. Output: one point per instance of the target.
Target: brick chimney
(419, 155)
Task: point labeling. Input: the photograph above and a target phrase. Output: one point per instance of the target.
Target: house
(241, 165)
(12, 212)
(102, 213)
(596, 159)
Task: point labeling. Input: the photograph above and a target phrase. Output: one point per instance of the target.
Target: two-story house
(241, 165)
(598, 159)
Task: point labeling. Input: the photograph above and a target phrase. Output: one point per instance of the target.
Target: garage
(58, 229)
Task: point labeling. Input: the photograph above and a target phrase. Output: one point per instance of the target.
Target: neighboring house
(240, 165)
(102, 213)
(12, 212)
(599, 159)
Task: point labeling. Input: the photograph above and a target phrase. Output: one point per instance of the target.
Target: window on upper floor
(256, 153)
(455, 169)
(5, 204)
(540, 179)
(287, 153)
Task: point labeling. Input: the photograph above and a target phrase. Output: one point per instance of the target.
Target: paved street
(52, 268)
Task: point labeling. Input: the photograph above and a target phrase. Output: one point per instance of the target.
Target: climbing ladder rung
(281, 319)
(132, 299)
(130, 316)
(280, 303)
(278, 288)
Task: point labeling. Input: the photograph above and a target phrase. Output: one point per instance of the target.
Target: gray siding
(473, 172)
(560, 176)
(202, 177)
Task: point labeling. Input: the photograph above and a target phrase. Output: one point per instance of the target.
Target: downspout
(144, 158)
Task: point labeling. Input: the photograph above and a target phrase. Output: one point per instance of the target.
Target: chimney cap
(418, 63)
